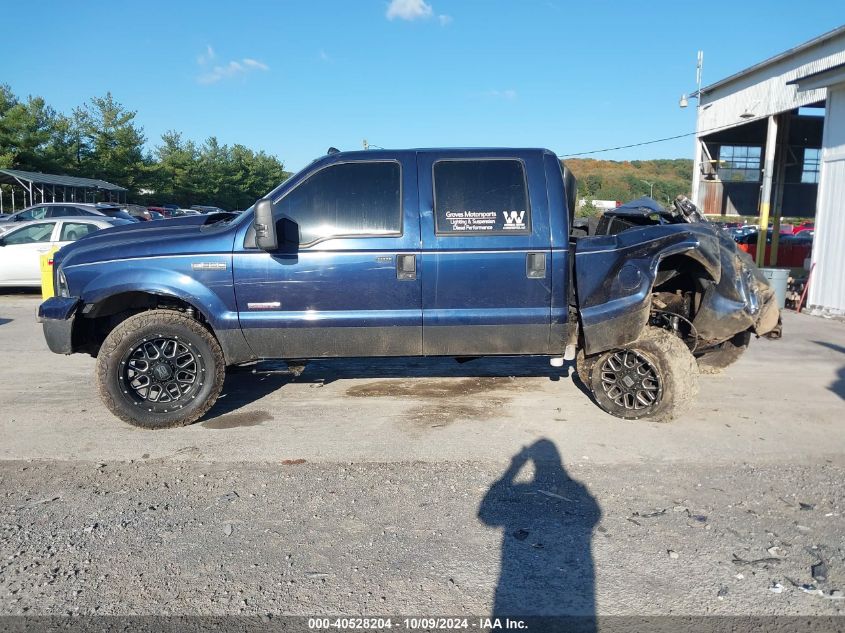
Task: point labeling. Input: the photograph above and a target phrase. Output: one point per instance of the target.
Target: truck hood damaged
(644, 264)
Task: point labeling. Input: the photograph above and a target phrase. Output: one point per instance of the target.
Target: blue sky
(294, 77)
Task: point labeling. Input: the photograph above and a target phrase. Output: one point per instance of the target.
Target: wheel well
(680, 272)
(676, 296)
(96, 322)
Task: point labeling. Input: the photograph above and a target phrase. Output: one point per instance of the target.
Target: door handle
(535, 265)
(406, 267)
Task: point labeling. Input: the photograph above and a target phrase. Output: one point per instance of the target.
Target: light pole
(684, 101)
(651, 190)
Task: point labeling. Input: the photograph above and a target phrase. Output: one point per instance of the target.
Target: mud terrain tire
(655, 377)
(160, 369)
(584, 367)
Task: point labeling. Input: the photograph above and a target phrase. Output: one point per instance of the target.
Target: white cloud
(409, 10)
(253, 63)
(207, 56)
(508, 95)
(232, 69)
(445, 20)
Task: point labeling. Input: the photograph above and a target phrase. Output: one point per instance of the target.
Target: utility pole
(696, 166)
(651, 188)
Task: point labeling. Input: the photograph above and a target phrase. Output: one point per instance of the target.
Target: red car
(162, 210)
(804, 226)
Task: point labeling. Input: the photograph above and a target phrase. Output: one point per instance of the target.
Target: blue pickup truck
(435, 252)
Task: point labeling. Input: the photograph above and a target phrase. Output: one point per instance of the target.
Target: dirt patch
(440, 414)
(446, 400)
(432, 388)
(235, 420)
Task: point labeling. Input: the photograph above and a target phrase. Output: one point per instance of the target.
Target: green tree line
(102, 139)
(627, 180)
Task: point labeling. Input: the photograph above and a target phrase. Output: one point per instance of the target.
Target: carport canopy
(56, 188)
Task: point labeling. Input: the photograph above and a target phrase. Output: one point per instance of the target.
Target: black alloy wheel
(631, 381)
(162, 373)
(160, 369)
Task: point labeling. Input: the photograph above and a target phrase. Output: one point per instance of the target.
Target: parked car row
(48, 210)
(22, 244)
(795, 241)
(130, 212)
(174, 211)
(42, 228)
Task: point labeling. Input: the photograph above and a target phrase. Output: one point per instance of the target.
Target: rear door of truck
(486, 256)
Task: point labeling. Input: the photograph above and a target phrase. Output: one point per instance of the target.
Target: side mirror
(265, 227)
(290, 234)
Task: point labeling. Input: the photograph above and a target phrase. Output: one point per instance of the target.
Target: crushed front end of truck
(641, 264)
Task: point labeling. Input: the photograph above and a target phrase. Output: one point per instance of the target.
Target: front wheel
(160, 369)
(654, 377)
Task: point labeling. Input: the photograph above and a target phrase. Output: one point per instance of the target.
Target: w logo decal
(513, 217)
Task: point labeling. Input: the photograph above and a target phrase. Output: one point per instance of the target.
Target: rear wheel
(160, 369)
(654, 377)
(715, 360)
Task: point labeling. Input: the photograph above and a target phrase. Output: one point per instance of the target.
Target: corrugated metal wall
(765, 91)
(827, 289)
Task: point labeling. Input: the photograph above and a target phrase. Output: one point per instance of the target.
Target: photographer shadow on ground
(547, 563)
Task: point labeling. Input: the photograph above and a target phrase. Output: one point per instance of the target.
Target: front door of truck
(352, 285)
(486, 258)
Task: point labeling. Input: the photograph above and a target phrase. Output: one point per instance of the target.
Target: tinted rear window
(481, 197)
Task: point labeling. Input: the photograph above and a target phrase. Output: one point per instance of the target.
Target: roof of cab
(469, 151)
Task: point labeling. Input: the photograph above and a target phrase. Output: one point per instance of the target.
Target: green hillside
(623, 180)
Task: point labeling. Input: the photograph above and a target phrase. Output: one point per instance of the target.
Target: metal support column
(781, 158)
(766, 193)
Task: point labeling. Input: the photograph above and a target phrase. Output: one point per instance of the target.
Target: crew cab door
(486, 261)
(352, 286)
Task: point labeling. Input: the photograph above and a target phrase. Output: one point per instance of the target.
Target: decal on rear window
(481, 197)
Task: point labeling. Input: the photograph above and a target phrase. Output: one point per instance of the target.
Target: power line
(659, 140)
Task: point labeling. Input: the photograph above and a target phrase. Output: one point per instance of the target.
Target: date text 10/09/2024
(422, 623)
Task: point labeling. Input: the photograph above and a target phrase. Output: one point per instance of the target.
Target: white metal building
(827, 289)
(764, 148)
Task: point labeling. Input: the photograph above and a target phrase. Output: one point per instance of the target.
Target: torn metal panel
(617, 272)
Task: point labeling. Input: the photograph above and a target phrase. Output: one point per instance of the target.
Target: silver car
(23, 243)
(50, 210)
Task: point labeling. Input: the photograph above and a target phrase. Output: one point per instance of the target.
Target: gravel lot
(426, 487)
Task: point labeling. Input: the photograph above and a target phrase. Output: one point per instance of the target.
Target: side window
(74, 230)
(481, 197)
(61, 212)
(35, 213)
(347, 199)
(30, 234)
